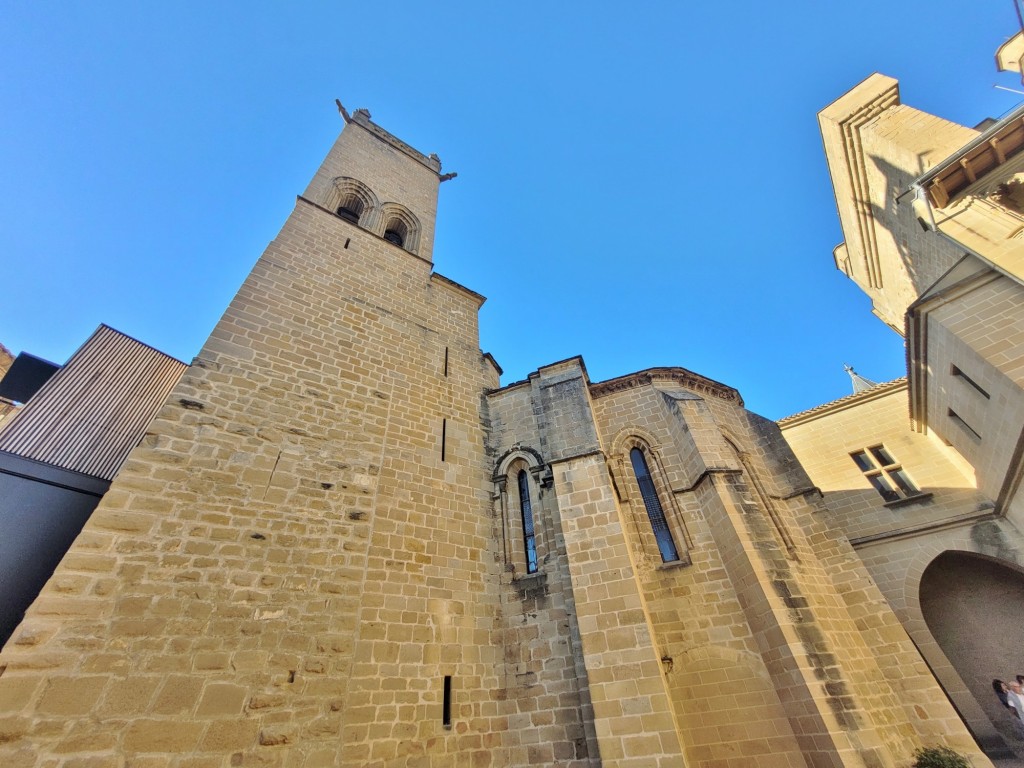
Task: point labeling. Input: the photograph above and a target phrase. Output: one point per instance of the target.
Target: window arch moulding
(522, 471)
(654, 512)
(353, 201)
(399, 226)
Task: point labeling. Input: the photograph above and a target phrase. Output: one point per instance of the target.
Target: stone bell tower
(297, 564)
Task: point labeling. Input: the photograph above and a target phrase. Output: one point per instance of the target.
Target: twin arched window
(356, 203)
(655, 512)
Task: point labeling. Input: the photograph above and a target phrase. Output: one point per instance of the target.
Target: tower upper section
(876, 147)
(379, 182)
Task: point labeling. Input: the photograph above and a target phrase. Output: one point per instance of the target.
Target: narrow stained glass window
(666, 545)
(529, 539)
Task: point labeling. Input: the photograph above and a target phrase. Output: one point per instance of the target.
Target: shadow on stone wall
(973, 605)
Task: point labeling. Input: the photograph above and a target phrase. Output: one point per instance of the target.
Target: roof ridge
(876, 389)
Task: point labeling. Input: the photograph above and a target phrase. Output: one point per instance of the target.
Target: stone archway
(974, 608)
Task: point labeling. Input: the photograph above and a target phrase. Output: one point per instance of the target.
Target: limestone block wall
(6, 358)
(875, 147)
(632, 712)
(981, 333)
(825, 438)
(766, 641)
(837, 659)
(389, 170)
(722, 693)
(548, 699)
(882, 669)
(548, 683)
(633, 718)
(896, 542)
(899, 145)
(301, 550)
(812, 660)
(897, 566)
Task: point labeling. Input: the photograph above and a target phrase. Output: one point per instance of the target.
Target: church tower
(297, 565)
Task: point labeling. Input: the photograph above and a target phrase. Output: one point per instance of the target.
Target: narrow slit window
(655, 512)
(529, 537)
(884, 473)
(963, 424)
(444, 436)
(446, 705)
(446, 362)
(957, 373)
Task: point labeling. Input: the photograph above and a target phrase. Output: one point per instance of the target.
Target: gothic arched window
(351, 208)
(400, 228)
(655, 512)
(529, 538)
(395, 232)
(353, 201)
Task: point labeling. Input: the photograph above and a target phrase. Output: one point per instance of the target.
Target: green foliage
(939, 757)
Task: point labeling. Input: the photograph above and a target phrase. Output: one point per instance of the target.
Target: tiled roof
(844, 402)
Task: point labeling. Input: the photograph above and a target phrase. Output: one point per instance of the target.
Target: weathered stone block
(71, 695)
(222, 699)
(173, 736)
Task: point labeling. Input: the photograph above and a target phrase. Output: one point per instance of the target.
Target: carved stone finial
(343, 111)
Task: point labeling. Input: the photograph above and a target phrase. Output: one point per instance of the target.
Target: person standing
(1001, 688)
(1015, 698)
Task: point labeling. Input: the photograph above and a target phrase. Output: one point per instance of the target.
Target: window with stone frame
(353, 201)
(526, 514)
(885, 474)
(350, 208)
(519, 479)
(655, 511)
(395, 232)
(400, 227)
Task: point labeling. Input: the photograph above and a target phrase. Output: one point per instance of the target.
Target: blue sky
(641, 184)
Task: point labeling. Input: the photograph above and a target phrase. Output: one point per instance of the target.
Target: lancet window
(526, 512)
(655, 512)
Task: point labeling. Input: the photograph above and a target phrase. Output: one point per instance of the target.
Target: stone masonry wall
(982, 333)
(721, 691)
(891, 538)
(875, 147)
(819, 624)
(823, 441)
(546, 677)
(286, 569)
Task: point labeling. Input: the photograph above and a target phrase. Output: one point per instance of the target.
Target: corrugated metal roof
(94, 410)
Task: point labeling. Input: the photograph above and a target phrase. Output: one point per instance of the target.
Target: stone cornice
(686, 379)
(879, 390)
(447, 281)
(361, 117)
